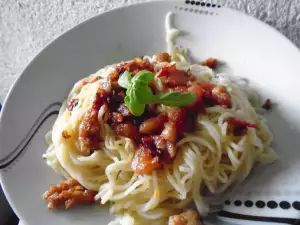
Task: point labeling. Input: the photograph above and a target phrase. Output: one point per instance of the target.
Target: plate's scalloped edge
(52, 109)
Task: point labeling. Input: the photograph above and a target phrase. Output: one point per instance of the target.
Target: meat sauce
(189, 217)
(210, 62)
(155, 134)
(89, 129)
(267, 105)
(68, 193)
(239, 127)
(135, 66)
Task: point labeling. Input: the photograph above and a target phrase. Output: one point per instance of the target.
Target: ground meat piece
(189, 217)
(68, 192)
(209, 94)
(164, 149)
(171, 77)
(170, 133)
(180, 120)
(72, 104)
(165, 71)
(210, 62)
(267, 105)
(177, 220)
(134, 66)
(89, 132)
(163, 57)
(127, 130)
(159, 141)
(144, 162)
(198, 105)
(178, 116)
(220, 96)
(177, 78)
(89, 129)
(114, 76)
(153, 125)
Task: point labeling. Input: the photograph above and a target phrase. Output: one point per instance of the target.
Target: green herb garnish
(139, 94)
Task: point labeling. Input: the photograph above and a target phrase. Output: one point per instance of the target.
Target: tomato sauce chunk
(239, 127)
(144, 162)
(172, 78)
(153, 125)
(127, 129)
(210, 62)
(238, 122)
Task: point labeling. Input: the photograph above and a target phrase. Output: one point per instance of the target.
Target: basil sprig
(138, 93)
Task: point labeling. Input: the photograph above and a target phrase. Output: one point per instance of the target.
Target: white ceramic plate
(250, 49)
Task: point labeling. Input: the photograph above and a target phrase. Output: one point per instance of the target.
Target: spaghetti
(92, 142)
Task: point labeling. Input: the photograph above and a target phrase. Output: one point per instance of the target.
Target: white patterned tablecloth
(26, 26)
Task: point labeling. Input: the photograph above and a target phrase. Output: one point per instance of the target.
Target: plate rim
(13, 87)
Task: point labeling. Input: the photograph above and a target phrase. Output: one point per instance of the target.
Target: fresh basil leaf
(142, 93)
(138, 109)
(128, 103)
(125, 80)
(144, 76)
(176, 98)
(128, 91)
(133, 105)
(131, 94)
(138, 93)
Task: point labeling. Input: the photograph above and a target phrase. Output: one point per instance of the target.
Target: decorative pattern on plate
(193, 10)
(203, 4)
(261, 204)
(259, 219)
(51, 110)
(273, 209)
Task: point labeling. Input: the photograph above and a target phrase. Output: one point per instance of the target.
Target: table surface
(27, 26)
